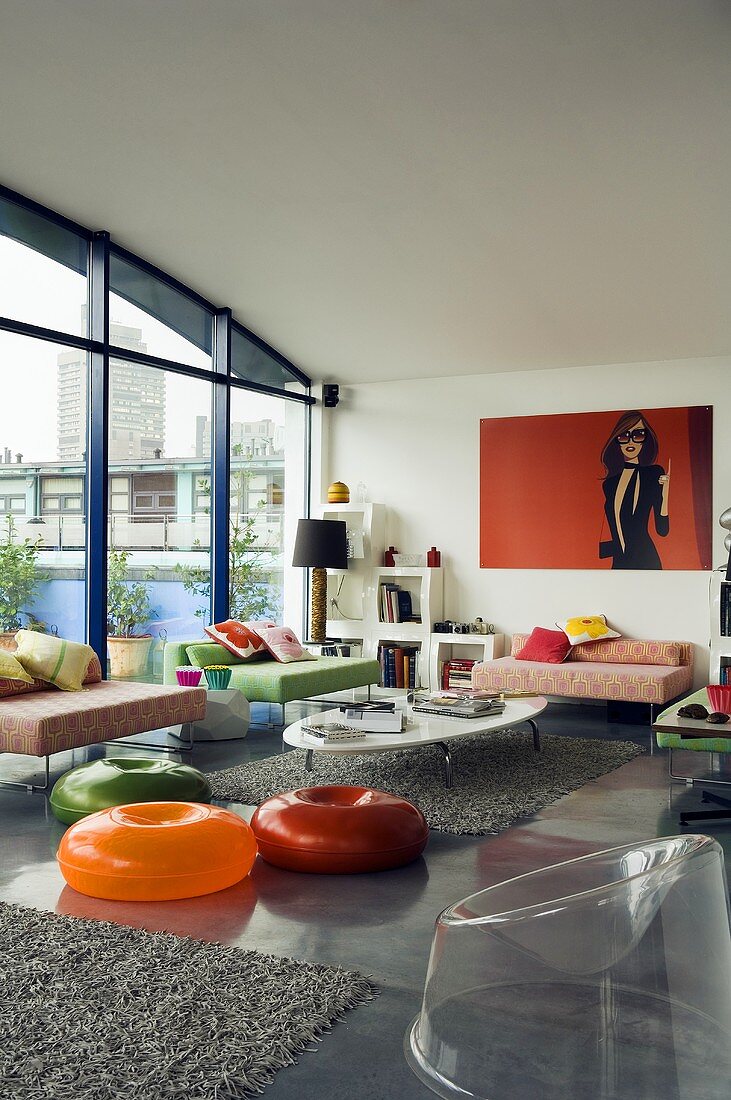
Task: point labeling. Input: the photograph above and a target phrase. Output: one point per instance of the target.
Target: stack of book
(378, 718)
(395, 605)
(724, 626)
(459, 706)
(398, 665)
(330, 733)
(457, 673)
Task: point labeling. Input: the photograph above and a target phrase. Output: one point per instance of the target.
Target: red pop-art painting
(608, 490)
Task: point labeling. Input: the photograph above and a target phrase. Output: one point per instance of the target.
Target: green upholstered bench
(269, 681)
(669, 735)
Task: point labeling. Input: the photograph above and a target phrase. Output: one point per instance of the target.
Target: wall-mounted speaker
(330, 395)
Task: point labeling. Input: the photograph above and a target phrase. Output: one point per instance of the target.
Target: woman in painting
(634, 488)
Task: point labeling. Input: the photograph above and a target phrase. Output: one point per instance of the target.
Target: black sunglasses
(637, 435)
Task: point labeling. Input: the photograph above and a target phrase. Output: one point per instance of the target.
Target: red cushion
(550, 646)
(339, 830)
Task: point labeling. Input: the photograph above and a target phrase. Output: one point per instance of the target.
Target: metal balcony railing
(147, 531)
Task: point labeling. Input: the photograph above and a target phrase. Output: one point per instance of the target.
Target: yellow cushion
(587, 628)
(52, 659)
(11, 668)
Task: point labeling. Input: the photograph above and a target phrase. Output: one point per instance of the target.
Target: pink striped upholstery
(49, 721)
(582, 679)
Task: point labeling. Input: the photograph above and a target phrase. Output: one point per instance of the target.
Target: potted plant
(19, 580)
(129, 609)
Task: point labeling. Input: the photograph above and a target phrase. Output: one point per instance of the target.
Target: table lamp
(320, 544)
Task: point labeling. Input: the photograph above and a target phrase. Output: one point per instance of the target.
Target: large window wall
(153, 451)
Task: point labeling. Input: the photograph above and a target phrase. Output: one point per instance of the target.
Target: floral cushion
(587, 628)
(241, 639)
(283, 644)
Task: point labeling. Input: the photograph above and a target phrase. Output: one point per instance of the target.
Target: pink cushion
(628, 651)
(50, 721)
(551, 646)
(283, 643)
(584, 680)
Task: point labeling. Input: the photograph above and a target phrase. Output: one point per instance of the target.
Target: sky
(39, 291)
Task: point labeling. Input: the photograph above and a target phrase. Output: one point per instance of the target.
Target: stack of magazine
(455, 705)
(330, 733)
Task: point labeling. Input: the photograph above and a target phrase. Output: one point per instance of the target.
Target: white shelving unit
(720, 591)
(483, 647)
(366, 524)
(353, 596)
(426, 587)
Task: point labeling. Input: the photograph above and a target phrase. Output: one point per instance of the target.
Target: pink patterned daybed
(38, 720)
(624, 669)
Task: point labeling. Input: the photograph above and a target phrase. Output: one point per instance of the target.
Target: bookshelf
(346, 610)
(720, 608)
(356, 613)
(445, 647)
(425, 590)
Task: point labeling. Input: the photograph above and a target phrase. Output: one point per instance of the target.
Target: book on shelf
(325, 733)
(395, 604)
(444, 706)
(398, 665)
(457, 671)
(724, 604)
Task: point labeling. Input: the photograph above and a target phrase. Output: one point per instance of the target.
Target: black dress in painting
(638, 551)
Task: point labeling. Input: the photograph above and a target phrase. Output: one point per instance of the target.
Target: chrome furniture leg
(536, 735)
(447, 763)
(308, 759)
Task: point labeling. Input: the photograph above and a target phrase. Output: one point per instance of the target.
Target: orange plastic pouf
(156, 851)
(339, 830)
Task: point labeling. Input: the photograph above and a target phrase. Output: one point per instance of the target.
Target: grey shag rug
(95, 1011)
(497, 776)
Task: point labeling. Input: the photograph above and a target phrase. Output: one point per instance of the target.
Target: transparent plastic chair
(607, 977)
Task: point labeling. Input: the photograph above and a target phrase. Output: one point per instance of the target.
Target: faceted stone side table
(227, 716)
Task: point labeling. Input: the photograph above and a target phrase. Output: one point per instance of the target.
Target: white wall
(416, 446)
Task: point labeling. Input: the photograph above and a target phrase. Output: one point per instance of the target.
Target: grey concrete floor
(380, 924)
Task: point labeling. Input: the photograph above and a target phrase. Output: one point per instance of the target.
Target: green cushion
(118, 782)
(201, 654)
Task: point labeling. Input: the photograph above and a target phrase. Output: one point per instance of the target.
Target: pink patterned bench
(624, 669)
(39, 720)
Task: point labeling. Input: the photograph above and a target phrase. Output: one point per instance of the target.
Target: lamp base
(318, 616)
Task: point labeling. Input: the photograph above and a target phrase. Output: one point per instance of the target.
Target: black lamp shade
(321, 544)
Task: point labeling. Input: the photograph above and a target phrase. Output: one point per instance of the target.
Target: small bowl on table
(188, 677)
(719, 696)
(218, 677)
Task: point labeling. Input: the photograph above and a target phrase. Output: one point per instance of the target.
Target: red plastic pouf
(339, 830)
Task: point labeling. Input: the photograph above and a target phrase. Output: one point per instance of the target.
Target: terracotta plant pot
(128, 656)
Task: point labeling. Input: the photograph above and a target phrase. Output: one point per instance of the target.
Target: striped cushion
(54, 660)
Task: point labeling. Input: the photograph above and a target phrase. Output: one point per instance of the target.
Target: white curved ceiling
(397, 188)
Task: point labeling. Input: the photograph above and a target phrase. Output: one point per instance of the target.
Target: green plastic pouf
(120, 781)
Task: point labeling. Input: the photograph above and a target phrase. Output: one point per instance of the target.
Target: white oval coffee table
(423, 729)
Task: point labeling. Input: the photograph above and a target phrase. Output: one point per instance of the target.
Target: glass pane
(252, 364)
(37, 531)
(42, 271)
(159, 562)
(155, 318)
(267, 458)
